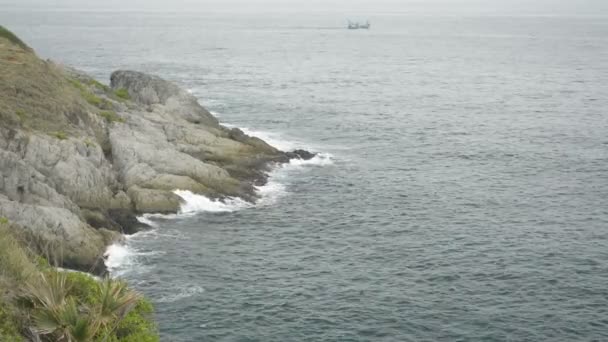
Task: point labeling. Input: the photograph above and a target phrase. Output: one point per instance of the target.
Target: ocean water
(461, 194)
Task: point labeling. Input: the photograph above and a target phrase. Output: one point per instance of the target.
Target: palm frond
(116, 300)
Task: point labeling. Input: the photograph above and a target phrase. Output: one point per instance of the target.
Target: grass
(99, 85)
(21, 114)
(77, 84)
(88, 96)
(122, 94)
(15, 263)
(8, 325)
(4, 33)
(92, 99)
(61, 135)
(111, 116)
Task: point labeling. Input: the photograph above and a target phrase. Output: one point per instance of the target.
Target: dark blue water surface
(467, 194)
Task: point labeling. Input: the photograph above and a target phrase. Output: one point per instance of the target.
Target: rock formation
(79, 159)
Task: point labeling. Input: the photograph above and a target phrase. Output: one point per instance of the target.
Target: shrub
(3, 220)
(138, 325)
(83, 308)
(122, 93)
(66, 306)
(111, 116)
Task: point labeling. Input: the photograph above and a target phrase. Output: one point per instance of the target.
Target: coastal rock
(79, 159)
(154, 201)
(126, 221)
(300, 154)
(151, 90)
(59, 234)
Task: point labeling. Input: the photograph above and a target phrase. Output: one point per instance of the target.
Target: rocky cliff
(79, 159)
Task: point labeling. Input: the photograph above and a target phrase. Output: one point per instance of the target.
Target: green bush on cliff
(66, 306)
(85, 309)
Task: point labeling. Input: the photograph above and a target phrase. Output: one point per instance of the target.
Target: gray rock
(155, 201)
(150, 90)
(59, 233)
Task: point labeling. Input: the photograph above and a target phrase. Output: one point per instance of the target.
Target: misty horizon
(432, 7)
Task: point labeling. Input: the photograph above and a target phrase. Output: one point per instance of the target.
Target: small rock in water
(301, 154)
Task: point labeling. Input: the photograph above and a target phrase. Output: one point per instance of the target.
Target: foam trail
(181, 292)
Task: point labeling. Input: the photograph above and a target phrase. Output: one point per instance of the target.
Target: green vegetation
(92, 98)
(76, 84)
(4, 33)
(66, 306)
(3, 220)
(61, 135)
(8, 325)
(122, 93)
(111, 116)
(99, 85)
(21, 114)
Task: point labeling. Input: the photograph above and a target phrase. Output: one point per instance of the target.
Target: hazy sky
(544, 7)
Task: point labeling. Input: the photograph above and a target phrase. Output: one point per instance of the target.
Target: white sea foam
(145, 219)
(122, 258)
(116, 256)
(194, 203)
(321, 159)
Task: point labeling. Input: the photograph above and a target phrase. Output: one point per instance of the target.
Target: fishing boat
(357, 25)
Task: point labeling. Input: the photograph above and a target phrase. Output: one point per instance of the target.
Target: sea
(460, 192)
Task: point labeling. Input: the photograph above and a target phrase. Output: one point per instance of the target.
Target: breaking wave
(194, 203)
